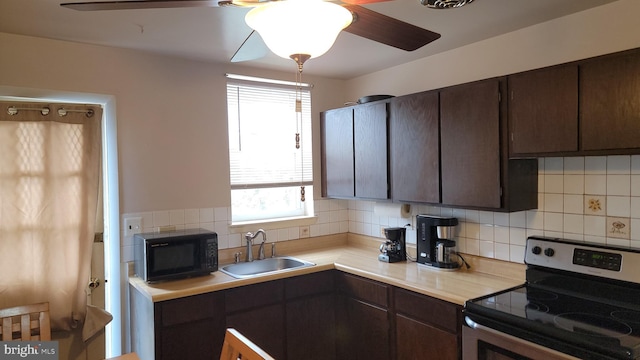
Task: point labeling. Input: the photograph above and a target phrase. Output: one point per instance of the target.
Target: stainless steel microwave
(175, 254)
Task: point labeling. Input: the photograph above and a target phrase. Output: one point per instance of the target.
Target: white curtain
(49, 180)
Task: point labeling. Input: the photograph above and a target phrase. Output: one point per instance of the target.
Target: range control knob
(536, 250)
(549, 252)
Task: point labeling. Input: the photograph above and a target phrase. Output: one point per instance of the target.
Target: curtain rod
(13, 110)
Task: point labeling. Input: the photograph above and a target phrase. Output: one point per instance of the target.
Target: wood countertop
(358, 255)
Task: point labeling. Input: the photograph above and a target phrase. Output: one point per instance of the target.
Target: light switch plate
(132, 226)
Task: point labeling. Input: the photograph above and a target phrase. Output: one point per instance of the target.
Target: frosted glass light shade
(292, 27)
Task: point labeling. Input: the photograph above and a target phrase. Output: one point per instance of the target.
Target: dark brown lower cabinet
(426, 328)
(324, 316)
(418, 340)
(257, 311)
(363, 330)
(187, 328)
(310, 316)
(311, 328)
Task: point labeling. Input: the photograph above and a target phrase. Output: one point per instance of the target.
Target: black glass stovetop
(586, 320)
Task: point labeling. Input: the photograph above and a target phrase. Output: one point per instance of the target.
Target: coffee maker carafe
(435, 243)
(393, 250)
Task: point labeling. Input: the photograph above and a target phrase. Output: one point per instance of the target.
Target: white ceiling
(215, 33)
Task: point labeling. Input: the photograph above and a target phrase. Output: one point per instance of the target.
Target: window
(267, 170)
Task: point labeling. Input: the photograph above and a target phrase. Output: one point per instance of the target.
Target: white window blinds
(262, 132)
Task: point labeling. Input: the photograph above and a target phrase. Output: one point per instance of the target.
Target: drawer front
(364, 289)
(256, 295)
(192, 308)
(312, 284)
(440, 313)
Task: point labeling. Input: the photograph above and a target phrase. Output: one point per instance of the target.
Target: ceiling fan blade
(252, 48)
(387, 30)
(138, 4)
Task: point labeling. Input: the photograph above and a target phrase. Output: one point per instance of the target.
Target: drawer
(252, 296)
(364, 289)
(191, 308)
(429, 310)
(312, 284)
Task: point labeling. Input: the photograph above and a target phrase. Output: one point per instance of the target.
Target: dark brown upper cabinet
(470, 142)
(414, 145)
(543, 111)
(475, 169)
(337, 153)
(610, 102)
(370, 145)
(354, 152)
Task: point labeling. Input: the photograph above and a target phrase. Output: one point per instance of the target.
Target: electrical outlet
(382, 235)
(304, 231)
(132, 226)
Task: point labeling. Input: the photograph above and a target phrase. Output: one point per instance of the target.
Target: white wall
(601, 30)
(171, 114)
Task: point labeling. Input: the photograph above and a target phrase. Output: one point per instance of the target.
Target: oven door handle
(475, 326)
(538, 349)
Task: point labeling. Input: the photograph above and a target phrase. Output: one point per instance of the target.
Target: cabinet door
(311, 328)
(257, 311)
(337, 153)
(470, 144)
(363, 331)
(264, 326)
(543, 110)
(190, 328)
(311, 320)
(414, 156)
(610, 102)
(417, 340)
(370, 144)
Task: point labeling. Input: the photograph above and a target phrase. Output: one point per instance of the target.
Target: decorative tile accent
(618, 227)
(595, 204)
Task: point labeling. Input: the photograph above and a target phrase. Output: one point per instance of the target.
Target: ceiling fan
(366, 23)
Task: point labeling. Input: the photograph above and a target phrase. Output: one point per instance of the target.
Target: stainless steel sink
(264, 267)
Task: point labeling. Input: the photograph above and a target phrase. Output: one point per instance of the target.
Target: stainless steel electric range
(580, 300)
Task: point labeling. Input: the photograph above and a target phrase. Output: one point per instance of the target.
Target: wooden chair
(237, 346)
(26, 323)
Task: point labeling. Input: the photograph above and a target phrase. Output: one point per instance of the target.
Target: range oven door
(482, 343)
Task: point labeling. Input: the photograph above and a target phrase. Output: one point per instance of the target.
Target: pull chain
(299, 125)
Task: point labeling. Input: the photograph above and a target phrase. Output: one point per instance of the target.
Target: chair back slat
(27, 322)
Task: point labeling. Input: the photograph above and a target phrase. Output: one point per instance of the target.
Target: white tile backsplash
(566, 187)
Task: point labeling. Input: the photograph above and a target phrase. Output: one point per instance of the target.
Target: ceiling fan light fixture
(293, 27)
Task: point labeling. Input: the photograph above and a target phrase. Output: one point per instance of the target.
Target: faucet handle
(273, 250)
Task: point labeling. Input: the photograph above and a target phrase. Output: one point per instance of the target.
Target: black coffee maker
(393, 250)
(435, 243)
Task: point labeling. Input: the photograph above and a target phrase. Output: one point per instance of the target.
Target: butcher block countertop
(358, 255)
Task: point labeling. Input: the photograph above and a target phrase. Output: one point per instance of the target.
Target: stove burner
(626, 316)
(592, 325)
(537, 307)
(541, 295)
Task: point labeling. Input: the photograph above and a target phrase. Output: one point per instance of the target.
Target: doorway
(115, 284)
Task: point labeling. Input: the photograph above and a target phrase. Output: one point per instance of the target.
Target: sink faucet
(249, 237)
